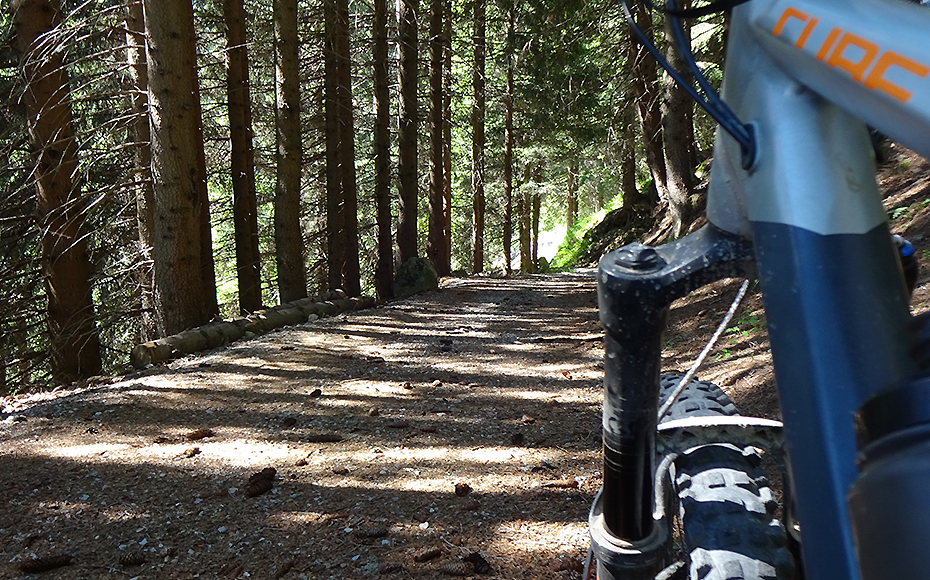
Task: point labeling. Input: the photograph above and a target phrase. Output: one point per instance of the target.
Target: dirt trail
(453, 433)
(465, 419)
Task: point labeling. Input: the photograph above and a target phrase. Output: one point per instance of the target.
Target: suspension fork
(636, 286)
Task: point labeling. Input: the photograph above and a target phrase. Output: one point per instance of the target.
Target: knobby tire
(727, 507)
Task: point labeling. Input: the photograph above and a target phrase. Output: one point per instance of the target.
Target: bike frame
(808, 75)
(802, 71)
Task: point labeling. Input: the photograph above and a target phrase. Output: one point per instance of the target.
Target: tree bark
(647, 88)
(509, 140)
(524, 209)
(630, 192)
(174, 106)
(436, 236)
(74, 345)
(572, 191)
(342, 204)
(207, 265)
(407, 71)
(447, 128)
(537, 203)
(245, 211)
(335, 208)
(289, 243)
(351, 275)
(141, 136)
(384, 269)
(678, 140)
(478, 138)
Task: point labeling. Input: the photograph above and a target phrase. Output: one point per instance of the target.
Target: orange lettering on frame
(828, 43)
(808, 28)
(877, 80)
(788, 13)
(856, 69)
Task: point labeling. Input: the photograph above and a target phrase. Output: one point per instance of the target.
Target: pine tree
(74, 343)
(407, 70)
(289, 244)
(239, 109)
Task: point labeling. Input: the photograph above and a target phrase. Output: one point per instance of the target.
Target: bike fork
(636, 286)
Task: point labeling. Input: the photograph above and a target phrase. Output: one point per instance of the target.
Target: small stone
(300, 463)
(340, 470)
(528, 419)
(462, 489)
(436, 383)
(407, 386)
(316, 393)
(373, 412)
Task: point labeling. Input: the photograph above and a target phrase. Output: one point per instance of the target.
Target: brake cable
(683, 383)
(710, 101)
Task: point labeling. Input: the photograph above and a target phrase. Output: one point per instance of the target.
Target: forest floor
(455, 433)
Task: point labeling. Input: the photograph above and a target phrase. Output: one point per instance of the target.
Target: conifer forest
(165, 163)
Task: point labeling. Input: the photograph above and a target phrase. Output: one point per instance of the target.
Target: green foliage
(577, 242)
(747, 323)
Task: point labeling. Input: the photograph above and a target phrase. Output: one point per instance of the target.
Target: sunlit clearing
(524, 533)
(245, 453)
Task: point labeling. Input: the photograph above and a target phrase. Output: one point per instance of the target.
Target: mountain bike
(792, 202)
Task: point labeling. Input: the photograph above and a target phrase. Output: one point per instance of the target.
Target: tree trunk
(141, 136)
(537, 203)
(524, 209)
(477, 140)
(207, 266)
(174, 106)
(74, 344)
(572, 205)
(351, 275)
(508, 140)
(245, 212)
(436, 236)
(678, 140)
(647, 88)
(407, 71)
(289, 243)
(335, 208)
(384, 269)
(630, 192)
(342, 204)
(447, 129)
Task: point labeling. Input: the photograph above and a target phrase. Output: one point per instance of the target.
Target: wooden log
(291, 314)
(221, 333)
(362, 302)
(150, 353)
(186, 342)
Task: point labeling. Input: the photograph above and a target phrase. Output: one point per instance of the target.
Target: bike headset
(710, 101)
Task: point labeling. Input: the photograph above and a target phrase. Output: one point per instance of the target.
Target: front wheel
(727, 508)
